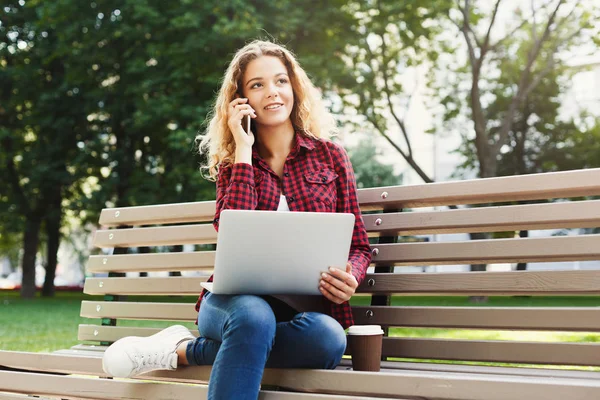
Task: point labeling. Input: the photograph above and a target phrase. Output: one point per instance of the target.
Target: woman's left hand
(338, 285)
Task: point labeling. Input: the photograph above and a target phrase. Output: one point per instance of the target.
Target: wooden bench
(392, 211)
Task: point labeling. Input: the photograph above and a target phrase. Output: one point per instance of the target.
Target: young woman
(285, 162)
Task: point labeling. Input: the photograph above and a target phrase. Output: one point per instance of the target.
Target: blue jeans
(239, 336)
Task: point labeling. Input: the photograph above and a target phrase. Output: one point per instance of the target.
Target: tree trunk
(53, 233)
(30, 248)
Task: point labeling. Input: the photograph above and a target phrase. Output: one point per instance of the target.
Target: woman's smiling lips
(273, 106)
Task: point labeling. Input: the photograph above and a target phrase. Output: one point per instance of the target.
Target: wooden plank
(52, 362)
(74, 352)
(581, 214)
(175, 286)
(514, 318)
(203, 211)
(388, 384)
(89, 347)
(99, 333)
(486, 283)
(436, 349)
(72, 387)
(13, 396)
(553, 249)
(510, 318)
(388, 366)
(455, 283)
(494, 351)
(192, 261)
(489, 190)
(159, 236)
(503, 189)
(90, 364)
(137, 310)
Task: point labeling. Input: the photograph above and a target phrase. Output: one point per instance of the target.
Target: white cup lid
(365, 330)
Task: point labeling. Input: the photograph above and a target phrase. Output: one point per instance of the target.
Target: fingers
(345, 276)
(338, 286)
(238, 100)
(242, 112)
(240, 104)
(335, 282)
(331, 297)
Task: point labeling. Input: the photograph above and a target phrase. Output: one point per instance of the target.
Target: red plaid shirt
(317, 177)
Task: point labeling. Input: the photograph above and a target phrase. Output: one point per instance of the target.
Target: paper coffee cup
(365, 345)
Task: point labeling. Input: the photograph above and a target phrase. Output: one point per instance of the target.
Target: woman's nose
(272, 92)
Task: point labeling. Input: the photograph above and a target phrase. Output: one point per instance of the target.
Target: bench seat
(416, 380)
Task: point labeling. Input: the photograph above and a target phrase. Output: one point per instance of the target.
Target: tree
(529, 55)
(40, 122)
(513, 97)
(369, 172)
(394, 37)
(109, 97)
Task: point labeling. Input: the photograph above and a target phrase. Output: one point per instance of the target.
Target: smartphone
(247, 124)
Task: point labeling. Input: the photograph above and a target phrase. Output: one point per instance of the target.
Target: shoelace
(153, 360)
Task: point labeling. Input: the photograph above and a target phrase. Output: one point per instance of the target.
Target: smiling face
(268, 88)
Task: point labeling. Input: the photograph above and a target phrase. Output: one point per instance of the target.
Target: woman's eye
(283, 80)
(255, 85)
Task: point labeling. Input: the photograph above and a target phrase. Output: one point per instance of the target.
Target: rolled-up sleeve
(235, 190)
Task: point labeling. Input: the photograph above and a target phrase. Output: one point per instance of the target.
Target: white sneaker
(133, 355)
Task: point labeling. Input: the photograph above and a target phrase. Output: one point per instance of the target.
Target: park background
(101, 101)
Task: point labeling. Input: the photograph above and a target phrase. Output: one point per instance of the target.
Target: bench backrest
(494, 205)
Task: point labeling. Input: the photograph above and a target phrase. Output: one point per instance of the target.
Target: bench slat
(199, 211)
(539, 318)
(489, 190)
(175, 286)
(494, 351)
(99, 333)
(444, 385)
(195, 261)
(581, 214)
(553, 249)
(486, 283)
(457, 283)
(159, 236)
(346, 363)
(435, 349)
(73, 387)
(513, 318)
(78, 363)
(542, 186)
(13, 396)
(137, 310)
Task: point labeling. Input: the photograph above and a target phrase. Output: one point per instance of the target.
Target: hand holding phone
(239, 117)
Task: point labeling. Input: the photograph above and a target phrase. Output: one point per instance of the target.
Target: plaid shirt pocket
(321, 186)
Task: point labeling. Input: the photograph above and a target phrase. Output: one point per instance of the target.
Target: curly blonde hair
(309, 115)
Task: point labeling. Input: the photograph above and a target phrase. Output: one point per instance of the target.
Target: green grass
(47, 324)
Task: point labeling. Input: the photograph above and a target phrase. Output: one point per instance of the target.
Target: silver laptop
(268, 252)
